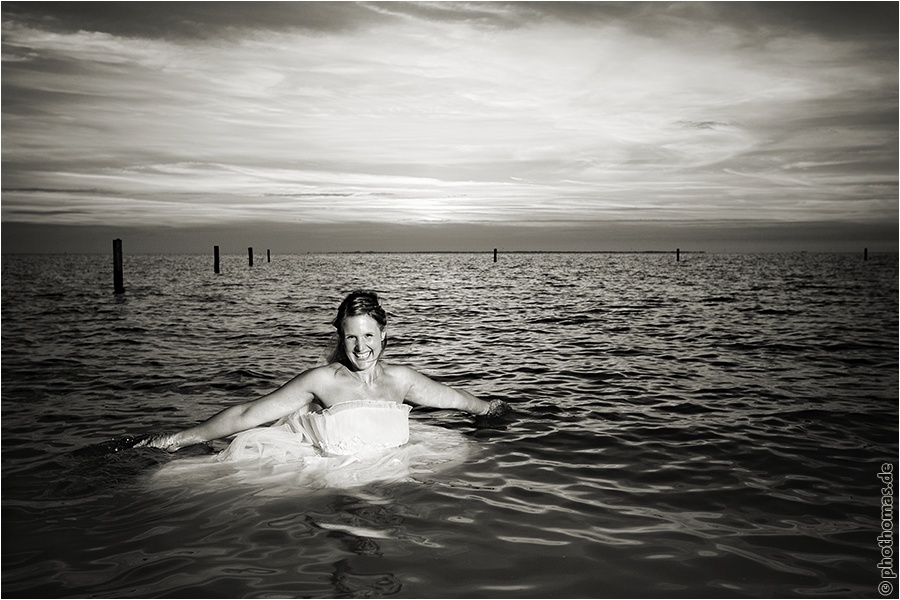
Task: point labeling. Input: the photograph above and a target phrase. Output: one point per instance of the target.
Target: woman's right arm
(291, 397)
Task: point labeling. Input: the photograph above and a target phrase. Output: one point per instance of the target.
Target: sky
(449, 126)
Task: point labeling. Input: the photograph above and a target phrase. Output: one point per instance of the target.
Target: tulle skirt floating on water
(349, 445)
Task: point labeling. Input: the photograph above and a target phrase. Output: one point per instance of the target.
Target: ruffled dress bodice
(348, 428)
(356, 426)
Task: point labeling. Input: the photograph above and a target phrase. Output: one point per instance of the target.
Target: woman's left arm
(424, 391)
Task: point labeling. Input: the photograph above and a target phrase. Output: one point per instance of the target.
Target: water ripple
(710, 427)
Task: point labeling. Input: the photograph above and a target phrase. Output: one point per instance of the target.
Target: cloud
(190, 21)
(464, 113)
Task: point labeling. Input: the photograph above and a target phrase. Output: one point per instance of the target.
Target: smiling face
(363, 341)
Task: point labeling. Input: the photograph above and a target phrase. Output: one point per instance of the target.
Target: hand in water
(163, 441)
(498, 408)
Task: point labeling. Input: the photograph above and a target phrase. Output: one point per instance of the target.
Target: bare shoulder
(328, 370)
(401, 372)
(314, 377)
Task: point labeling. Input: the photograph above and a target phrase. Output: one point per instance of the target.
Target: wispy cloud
(456, 112)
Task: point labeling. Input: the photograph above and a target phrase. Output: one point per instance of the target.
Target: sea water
(710, 426)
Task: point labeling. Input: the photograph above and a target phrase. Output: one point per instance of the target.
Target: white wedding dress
(359, 427)
(347, 445)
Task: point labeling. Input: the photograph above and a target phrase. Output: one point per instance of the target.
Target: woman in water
(362, 396)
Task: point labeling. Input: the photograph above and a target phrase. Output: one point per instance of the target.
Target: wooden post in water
(268, 256)
(677, 254)
(216, 259)
(495, 255)
(118, 278)
(866, 254)
(250, 254)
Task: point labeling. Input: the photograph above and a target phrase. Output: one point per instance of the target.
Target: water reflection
(698, 428)
(363, 585)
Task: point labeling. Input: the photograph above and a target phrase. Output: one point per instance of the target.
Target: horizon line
(487, 252)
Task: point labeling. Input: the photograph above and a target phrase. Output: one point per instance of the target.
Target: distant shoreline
(485, 252)
(473, 252)
(499, 252)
